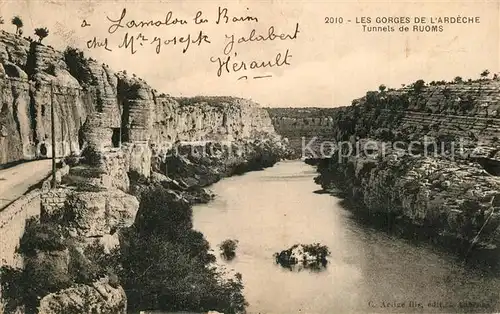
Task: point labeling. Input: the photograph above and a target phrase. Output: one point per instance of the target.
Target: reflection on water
(368, 270)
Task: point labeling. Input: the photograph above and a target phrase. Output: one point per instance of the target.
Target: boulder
(313, 256)
(99, 298)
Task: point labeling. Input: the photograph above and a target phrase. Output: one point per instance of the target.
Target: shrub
(78, 65)
(41, 32)
(41, 237)
(82, 269)
(51, 69)
(170, 261)
(228, 248)
(88, 187)
(43, 273)
(92, 156)
(163, 211)
(13, 288)
(18, 23)
(418, 86)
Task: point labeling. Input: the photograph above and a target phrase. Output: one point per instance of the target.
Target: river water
(369, 270)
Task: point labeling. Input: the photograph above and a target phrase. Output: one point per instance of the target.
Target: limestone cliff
(97, 106)
(422, 158)
(302, 126)
(441, 199)
(114, 129)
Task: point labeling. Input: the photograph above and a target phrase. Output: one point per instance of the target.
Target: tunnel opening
(43, 150)
(116, 137)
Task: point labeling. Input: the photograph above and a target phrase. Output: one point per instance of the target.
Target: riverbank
(178, 275)
(112, 240)
(453, 204)
(268, 211)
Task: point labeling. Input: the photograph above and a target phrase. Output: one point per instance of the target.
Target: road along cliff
(116, 233)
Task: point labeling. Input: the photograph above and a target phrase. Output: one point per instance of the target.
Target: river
(369, 271)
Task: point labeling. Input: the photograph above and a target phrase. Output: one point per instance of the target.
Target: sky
(328, 64)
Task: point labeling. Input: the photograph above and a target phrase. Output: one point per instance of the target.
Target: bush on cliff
(78, 65)
(51, 263)
(312, 256)
(44, 267)
(164, 275)
(166, 264)
(12, 287)
(163, 211)
(92, 156)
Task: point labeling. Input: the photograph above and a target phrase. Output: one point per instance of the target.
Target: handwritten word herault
(228, 66)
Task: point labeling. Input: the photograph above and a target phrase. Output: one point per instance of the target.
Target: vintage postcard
(272, 156)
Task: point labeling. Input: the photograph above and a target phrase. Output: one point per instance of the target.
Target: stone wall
(54, 199)
(13, 220)
(13, 217)
(12, 223)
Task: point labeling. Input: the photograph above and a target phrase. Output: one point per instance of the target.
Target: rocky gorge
(421, 161)
(116, 234)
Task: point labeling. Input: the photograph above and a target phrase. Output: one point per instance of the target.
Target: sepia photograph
(259, 157)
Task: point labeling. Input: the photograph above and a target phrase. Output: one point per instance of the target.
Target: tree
(228, 248)
(485, 74)
(418, 85)
(41, 33)
(457, 79)
(382, 88)
(16, 20)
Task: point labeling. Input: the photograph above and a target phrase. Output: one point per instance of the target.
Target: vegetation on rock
(228, 248)
(170, 262)
(52, 263)
(78, 65)
(312, 256)
(41, 32)
(18, 23)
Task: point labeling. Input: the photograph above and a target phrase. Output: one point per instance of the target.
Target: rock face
(442, 180)
(124, 131)
(96, 106)
(99, 298)
(305, 128)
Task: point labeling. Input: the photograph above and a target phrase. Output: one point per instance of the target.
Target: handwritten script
(170, 32)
